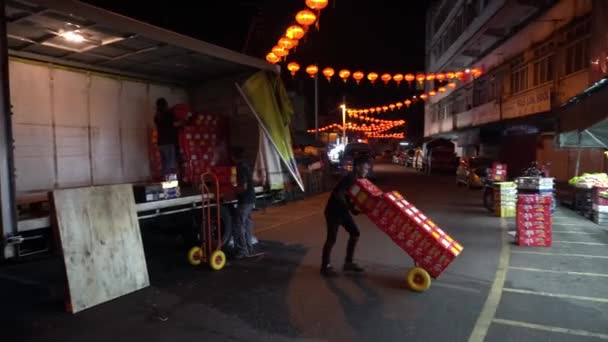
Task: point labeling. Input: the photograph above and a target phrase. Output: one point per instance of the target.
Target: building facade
(534, 56)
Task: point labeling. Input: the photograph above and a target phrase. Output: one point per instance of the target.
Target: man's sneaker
(352, 267)
(328, 271)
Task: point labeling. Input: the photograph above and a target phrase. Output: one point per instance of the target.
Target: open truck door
(8, 222)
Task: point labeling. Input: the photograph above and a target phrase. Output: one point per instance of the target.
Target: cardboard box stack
(505, 199)
(534, 220)
(498, 172)
(429, 246)
(600, 206)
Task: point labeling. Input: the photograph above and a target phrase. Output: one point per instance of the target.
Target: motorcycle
(534, 170)
(541, 170)
(488, 192)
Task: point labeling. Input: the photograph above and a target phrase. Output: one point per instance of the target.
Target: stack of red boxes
(226, 176)
(429, 246)
(499, 172)
(534, 220)
(197, 144)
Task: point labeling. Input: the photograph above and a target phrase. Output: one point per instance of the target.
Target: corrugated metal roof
(113, 43)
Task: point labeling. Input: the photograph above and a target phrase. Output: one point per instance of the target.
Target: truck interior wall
(75, 128)
(221, 97)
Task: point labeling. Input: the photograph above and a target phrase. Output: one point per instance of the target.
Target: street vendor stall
(583, 124)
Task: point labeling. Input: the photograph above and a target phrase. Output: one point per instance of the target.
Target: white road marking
(557, 295)
(563, 254)
(455, 287)
(276, 225)
(581, 243)
(575, 232)
(491, 304)
(549, 328)
(567, 224)
(528, 269)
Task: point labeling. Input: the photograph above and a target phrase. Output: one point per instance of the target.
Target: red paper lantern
(409, 78)
(372, 77)
(329, 73)
(420, 78)
(344, 74)
(295, 32)
(316, 4)
(312, 70)
(293, 67)
(272, 58)
(306, 18)
(358, 76)
(386, 78)
(398, 78)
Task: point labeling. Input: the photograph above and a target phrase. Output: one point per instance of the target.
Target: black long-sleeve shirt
(165, 125)
(338, 203)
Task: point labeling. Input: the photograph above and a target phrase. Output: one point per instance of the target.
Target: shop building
(533, 55)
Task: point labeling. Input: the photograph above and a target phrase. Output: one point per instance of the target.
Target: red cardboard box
(534, 199)
(415, 233)
(534, 208)
(534, 217)
(534, 241)
(597, 199)
(544, 233)
(534, 225)
(364, 194)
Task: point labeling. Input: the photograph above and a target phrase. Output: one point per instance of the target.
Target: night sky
(380, 36)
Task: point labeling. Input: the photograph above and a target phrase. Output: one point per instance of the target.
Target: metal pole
(343, 119)
(7, 179)
(316, 107)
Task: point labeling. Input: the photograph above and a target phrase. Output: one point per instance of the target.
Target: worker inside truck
(167, 126)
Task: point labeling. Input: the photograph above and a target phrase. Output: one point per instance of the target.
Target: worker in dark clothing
(338, 213)
(245, 203)
(167, 128)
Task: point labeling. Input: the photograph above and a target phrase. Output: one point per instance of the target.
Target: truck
(439, 155)
(79, 104)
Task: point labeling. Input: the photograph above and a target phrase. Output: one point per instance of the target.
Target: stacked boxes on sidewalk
(600, 206)
(429, 246)
(498, 173)
(534, 211)
(505, 199)
(534, 220)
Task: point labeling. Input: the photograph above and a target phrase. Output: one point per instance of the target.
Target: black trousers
(334, 221)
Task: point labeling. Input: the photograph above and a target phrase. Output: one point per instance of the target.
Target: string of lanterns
(366, 118)
(386, 136)
(329, 72)
(291, 39)
(373, 128)
(398, 105)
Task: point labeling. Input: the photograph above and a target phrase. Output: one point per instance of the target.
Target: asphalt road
(494, 291)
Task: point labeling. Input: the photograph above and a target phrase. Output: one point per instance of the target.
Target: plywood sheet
(101, 243)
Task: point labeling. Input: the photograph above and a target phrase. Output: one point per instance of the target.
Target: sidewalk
(552, 294)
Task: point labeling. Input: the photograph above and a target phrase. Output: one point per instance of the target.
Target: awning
(583, 120)
(76, 34)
